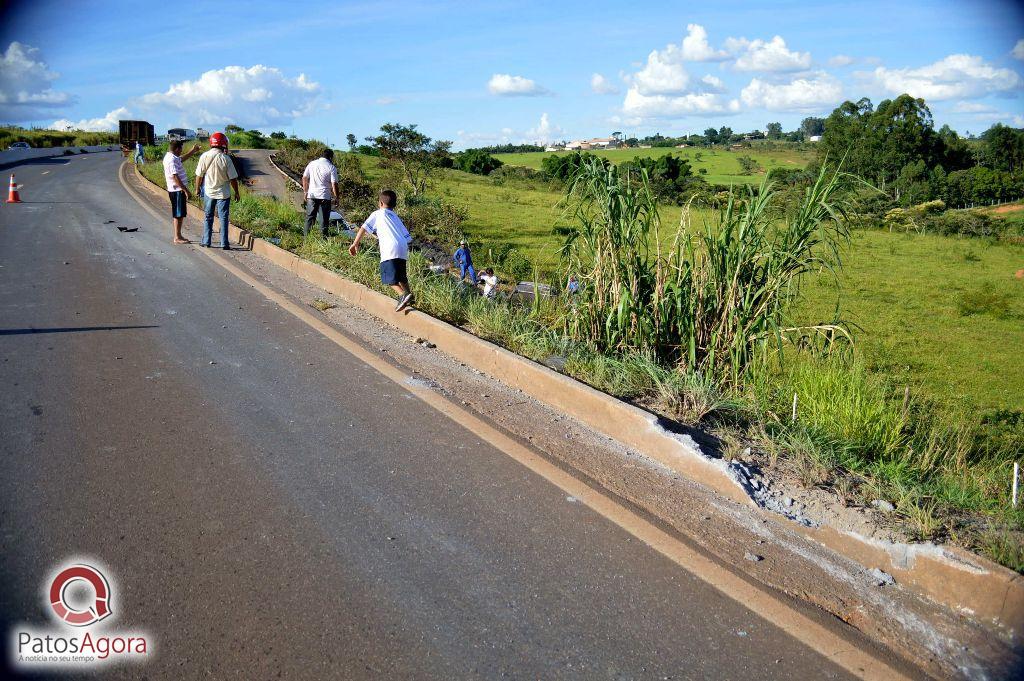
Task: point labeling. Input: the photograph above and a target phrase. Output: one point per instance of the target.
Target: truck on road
(132, 132)
(181, 134)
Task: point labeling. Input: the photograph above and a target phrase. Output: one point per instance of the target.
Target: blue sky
(488, 72)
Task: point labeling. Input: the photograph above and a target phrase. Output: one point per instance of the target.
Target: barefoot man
(177, 185)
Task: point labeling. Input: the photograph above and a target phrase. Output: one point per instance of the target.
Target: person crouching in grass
(177, 185)
(394, 239)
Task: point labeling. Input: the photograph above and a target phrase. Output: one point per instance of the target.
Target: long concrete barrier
(965, 582)
(9, 157)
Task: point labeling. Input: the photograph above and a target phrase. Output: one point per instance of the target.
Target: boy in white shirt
(394, 239)
(490, 283)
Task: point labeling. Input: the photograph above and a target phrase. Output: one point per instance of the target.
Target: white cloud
(602, 86)
(544, 132)
(103, 124)
(973, 107)
(711, 83)
(385, 100)
(772, 55)
(254, 97)
(640, 106)
(808, 94)
(841, 60)
(506, 85)
(696, 47)
(25, 84)
(1018, 50)
(662, 88)
(956, 76)
(663, 74)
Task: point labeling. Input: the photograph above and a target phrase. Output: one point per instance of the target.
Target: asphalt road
(269, 506)
(264, 178)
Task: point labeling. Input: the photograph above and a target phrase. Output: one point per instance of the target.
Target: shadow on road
(45, 161)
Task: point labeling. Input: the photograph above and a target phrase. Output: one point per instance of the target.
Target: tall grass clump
(718, 293)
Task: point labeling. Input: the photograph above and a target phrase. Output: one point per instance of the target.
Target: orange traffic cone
(12, 194)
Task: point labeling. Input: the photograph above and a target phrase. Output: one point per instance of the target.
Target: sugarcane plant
(711, 297)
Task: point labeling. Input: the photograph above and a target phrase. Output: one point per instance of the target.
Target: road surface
(269, 506)
(263, 177)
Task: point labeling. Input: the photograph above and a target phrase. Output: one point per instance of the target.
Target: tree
(878, 143)
(407, 151)
(352, 141)
(774, 131)
(812, 126)
(1003, 148)
(748, 166)
(711, 135)
(564, 166)
(725, 134)
(231, 127)
(476, 161)
(278, 135)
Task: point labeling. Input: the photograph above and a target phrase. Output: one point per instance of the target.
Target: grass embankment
(933, 452)
(721, 165)
(38, 138)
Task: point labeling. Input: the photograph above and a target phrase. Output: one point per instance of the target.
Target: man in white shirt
(177, 185)
(393, 238)
(320, 189)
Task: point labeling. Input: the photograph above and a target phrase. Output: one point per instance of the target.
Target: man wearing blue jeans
(216, 180)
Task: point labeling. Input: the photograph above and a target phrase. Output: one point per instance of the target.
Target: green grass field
(721, 165)
(902, 291)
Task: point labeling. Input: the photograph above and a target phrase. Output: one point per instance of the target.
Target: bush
(476, 161)
(963, 223)
(434, 220)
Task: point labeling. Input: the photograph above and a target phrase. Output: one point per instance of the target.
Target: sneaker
(226, 248)
(404, 302)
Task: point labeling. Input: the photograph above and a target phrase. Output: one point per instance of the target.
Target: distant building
(595, 143)
(814, 138)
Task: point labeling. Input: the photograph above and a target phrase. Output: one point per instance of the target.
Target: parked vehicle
(20, 145)
(132, 132)
(181, 134)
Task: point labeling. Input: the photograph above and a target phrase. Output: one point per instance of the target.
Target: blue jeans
(140, 158)
(463, 268)
(222, 207)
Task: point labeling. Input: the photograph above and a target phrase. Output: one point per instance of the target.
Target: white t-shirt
(490, 284)
(217, 170)
(394, 238)
(173, 166)
(321, 174)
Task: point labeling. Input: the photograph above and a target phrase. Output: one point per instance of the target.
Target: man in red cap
(216, 179)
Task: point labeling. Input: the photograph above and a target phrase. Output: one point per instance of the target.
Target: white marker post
(1016, 474)
(793, 420)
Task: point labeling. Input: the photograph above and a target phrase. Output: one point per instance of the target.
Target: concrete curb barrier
(10, 157)
(965, 582)
(287, 178)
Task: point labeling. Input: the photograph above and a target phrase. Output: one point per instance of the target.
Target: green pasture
(721, 165)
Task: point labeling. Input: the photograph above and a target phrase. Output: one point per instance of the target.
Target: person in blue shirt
(140, 156)
(464, 259)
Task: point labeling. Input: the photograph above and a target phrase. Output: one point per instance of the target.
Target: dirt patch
(1008, 208)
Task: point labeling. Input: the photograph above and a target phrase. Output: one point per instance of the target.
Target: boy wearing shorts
(394, 239)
